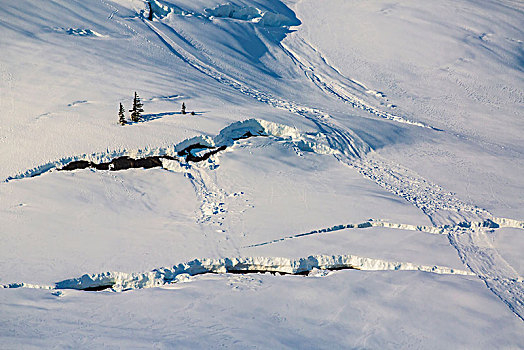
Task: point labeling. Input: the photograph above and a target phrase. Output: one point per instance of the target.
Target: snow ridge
(307, 142)
(436, 230)
(249, 13)
(121, 281)
(227, 10)
(362, 225)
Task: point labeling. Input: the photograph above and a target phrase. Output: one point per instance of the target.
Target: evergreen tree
(121, 116)
(137, 109)
(183, 108)
(150, 17)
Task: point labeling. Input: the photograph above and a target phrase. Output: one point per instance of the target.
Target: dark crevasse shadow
(195, 152)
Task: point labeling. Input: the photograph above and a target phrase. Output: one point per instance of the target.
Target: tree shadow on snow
(154, 116)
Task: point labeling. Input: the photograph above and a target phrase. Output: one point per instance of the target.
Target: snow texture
(374, 147)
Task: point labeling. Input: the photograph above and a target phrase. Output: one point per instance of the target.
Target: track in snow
(329, 79)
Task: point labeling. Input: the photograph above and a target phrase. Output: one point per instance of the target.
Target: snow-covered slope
(328, 135)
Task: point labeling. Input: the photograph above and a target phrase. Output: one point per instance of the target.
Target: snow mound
(307, 142)
(248, 13)
(270, 19)
(161, 9)
(230, 10)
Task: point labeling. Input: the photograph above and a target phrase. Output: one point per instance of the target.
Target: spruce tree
(183, 108)
(121, 116)
(137, 109)
(150, 17)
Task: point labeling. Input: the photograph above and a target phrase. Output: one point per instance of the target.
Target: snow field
(371, 136)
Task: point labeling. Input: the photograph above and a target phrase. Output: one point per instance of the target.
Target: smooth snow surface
(351, 176)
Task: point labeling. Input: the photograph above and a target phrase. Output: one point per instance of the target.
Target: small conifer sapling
(121, 115)
(137, 109)
(183, 108)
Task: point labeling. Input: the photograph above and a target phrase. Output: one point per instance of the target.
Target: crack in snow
(121, 281)
(119, 159)
(437, 230)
